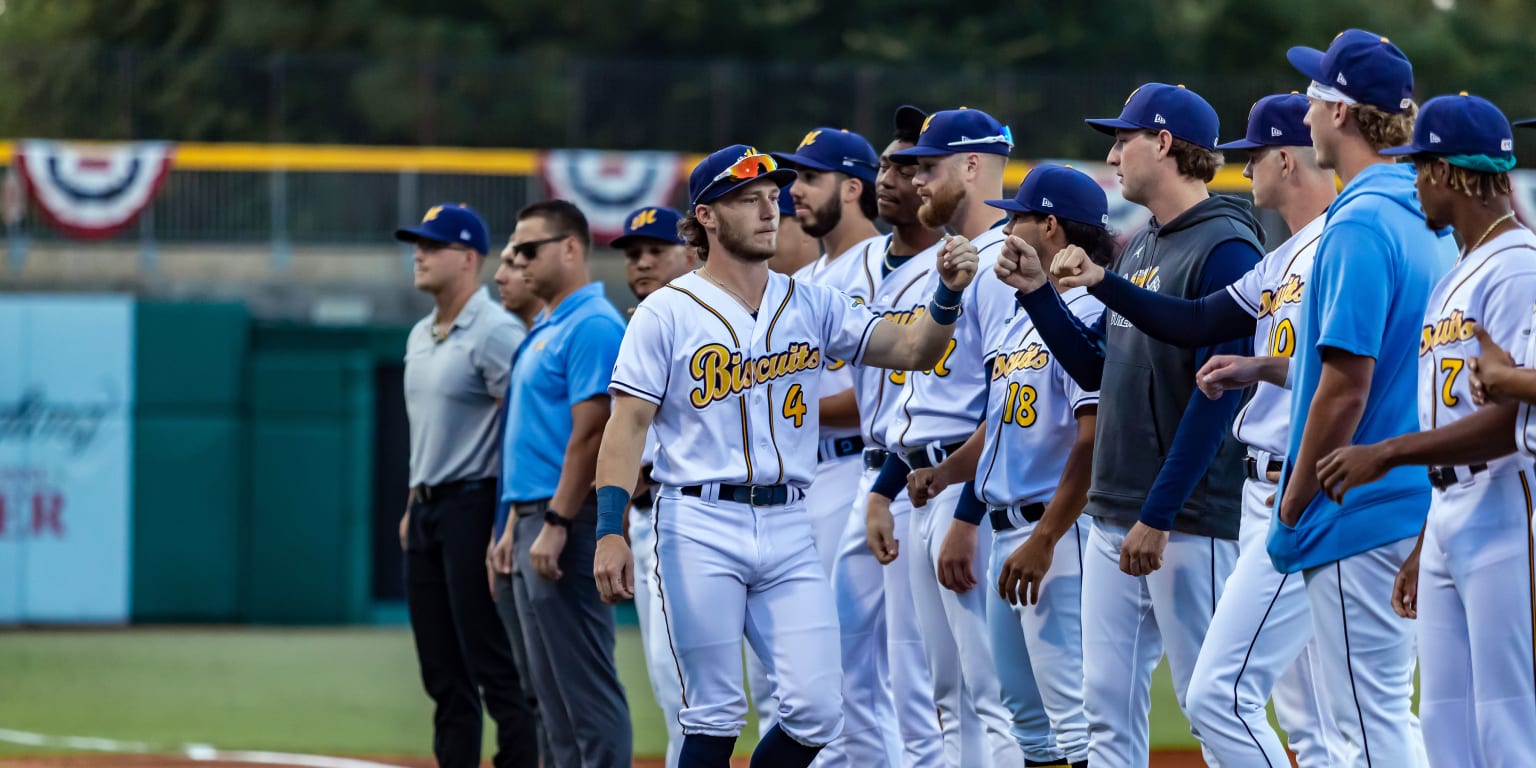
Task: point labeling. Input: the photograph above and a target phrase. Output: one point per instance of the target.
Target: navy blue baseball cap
(1275, 121)
(1362, 67)
(449, 223)
(1531, 123)
(650, 223)
(1460, 125)
(954, 131)
(909, 119)
(1061, 191)
(726, 170)
(1163, 107)
(834, 149)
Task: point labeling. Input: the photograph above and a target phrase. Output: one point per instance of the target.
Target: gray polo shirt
(451, 389)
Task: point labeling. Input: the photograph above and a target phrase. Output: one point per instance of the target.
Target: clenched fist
(957, 262)
(1018, 266)
(1073, 269)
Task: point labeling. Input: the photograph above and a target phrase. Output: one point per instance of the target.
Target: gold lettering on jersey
(1034, 357)
(905, 317)
(1289, 292)
(722, 372)
(1146, 277)
(1447, 330)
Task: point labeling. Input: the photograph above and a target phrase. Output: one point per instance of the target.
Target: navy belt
(1001, 522)
(919, 458)
(430, 493)
(1251, 466)
(874, 458)
(756, 495)
(1445, 477)
(840, 447)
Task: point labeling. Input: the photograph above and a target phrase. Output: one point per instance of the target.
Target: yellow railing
(194, 156)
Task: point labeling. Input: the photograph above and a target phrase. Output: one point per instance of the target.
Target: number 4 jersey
(737, 392)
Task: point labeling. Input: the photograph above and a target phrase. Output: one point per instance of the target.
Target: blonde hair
(1480, 185)
(1382, 129)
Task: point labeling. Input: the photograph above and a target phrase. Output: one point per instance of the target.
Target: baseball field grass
(346, 691)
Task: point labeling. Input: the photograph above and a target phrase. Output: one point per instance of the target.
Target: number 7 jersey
(737, 394)
(1492, 286)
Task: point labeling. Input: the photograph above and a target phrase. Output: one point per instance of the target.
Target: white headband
(1327, 93)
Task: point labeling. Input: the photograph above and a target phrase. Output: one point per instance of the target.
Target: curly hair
(1382, 129)
(694, 235)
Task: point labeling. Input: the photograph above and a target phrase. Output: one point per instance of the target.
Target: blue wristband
(612, 503)
(945, 306)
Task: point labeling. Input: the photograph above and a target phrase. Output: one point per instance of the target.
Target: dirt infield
(1181, 759)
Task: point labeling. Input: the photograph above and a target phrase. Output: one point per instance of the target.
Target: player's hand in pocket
(1142, 551)
(956, 555)
(1023, 574)
(613, 568)
(880, 529)
(1405, 588)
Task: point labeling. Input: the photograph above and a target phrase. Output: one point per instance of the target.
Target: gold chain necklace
(747, 305)
(1487, 232)
(886, 259)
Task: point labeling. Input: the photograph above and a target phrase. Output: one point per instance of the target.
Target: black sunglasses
(530, 249)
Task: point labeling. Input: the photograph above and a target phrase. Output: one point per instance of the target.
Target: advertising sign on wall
(66, 407)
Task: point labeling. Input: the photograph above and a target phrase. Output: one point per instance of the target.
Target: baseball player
(1353, 381)
(1257, 641)
(834, 198)
(1166, 492)
(654, 255)
(1473, 592)
(726, 362)
(888, 708)
(1031, 461)
(794, 248)
(960, 156)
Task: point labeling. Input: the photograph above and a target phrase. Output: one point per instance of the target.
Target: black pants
(569, 633)
(462, 647)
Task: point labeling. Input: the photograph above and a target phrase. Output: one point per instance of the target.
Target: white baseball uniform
(659, 666)
(839, 454)
(737, 397)
(940, 408)
(887, 689)
(1030, 430)
(1475, 568)
(1259, 638)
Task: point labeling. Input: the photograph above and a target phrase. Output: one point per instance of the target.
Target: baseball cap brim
(1531, 123)
(416, 235)
(783, 177)
(1012, 206)
(1243, 144)
(620, 243)
(1111, 124)
(1406, 149)
(1308, 61)
(793, 159)
(912, 153)
(909, 118)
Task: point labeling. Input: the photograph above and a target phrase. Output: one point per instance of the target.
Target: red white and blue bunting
(607, 186)
(92, 191)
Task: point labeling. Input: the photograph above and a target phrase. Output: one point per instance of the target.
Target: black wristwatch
(553, 518)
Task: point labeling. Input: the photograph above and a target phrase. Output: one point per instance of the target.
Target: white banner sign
(66, 442)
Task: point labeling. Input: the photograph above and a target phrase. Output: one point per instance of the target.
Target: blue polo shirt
(567, 357)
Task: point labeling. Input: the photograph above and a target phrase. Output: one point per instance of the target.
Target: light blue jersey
(1376, 265)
